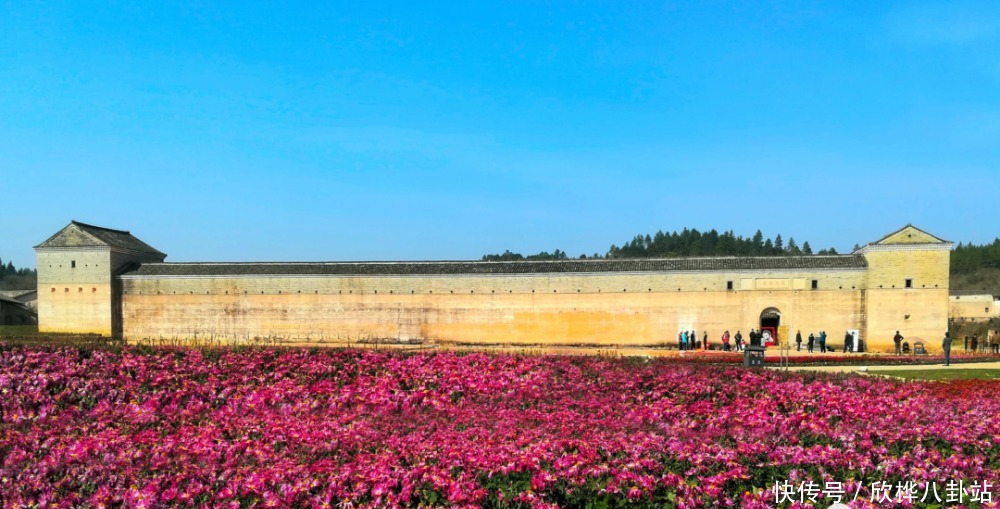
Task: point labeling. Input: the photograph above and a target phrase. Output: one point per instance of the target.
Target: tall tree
(757, 244)
(793, 248)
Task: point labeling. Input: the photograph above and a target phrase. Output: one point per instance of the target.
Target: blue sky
(433, 130)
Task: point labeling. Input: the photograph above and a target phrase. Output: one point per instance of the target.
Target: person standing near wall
(810, 342)
(898, 339)
(725, 341)
(822, 341)
(946, 345)
(739, 341)
(798, 341)
(704, 341)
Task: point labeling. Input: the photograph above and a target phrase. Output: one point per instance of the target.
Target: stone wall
(74, 291)
(973, 307)
(593, 309)
(917, 311)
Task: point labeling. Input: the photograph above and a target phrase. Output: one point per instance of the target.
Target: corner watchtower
(907, 285)
(78, 291)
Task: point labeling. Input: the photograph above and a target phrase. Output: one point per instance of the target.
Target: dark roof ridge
(849, 262)
(85, 225)
(910, 225)
(568, 260)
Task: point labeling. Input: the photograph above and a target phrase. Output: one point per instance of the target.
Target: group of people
(688, 340)
(989, 344)
(737, 341)
(818, 342)
(815, 342)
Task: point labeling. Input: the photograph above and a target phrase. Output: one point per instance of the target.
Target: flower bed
(343, 428)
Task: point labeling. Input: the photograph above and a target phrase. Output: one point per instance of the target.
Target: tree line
(966, 258)
(13, 278)
(688, 242)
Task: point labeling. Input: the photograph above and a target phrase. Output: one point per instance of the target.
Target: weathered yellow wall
(79, 299)
(76, 300)
(972, 307)
(619, 309)
(889, 269)
(917, 312)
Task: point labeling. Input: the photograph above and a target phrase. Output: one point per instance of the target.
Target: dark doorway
(770, 319)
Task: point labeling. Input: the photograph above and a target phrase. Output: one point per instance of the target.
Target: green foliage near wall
(968, 258)
(12, 278)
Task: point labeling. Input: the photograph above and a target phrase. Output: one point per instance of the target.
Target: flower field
(266, 428)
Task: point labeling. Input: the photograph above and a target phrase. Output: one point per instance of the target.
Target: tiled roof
(501, 268)
(14, 294)
(78, 234)
(12, 301)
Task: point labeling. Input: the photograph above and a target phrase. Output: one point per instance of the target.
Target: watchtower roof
(77, 234)
(910, 234)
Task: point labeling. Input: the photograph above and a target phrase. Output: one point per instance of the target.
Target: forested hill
(968, 257)
(684, 243)
(13, 278)
(976, 268)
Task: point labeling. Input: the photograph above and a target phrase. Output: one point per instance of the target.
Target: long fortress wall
(98, 280)
(592, 309)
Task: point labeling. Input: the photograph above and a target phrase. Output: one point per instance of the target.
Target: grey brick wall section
(519, 267)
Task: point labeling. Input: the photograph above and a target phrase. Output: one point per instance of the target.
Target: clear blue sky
(433, 130)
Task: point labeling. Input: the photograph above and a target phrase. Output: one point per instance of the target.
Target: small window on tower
(72, 264)
(909, 283)
(815, 284)
(729, 285)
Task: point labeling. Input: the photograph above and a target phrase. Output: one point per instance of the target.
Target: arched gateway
(770, 319)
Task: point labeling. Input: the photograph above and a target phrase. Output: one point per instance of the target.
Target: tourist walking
(946, 344)
(810, 342)
(898, 339)
(822, 341)
(704, 341)
(725, 341)
(848, 341)
(798, 341)
(739, 341)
